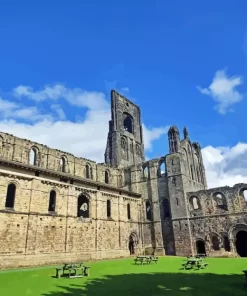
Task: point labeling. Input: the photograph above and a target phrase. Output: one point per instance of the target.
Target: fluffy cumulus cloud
(223, 89)
(86, 136)
(225, 165)
(40, 115)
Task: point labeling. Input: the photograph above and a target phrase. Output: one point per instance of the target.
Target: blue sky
(175, 59)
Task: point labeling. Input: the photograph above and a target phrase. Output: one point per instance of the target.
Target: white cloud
(86, 137)
(223, 90)
(225, 165)
(152, 135)
(9, 109)
(6, 106)
(74, 96)
(59, 110)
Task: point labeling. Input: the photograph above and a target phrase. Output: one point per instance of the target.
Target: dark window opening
(128, 123)
(226, 244)
(10, 198)
(215, 243)
(200, 247)
(108, 208)
(191, 171)
(166, 208)
(88, 171)
(128, 212)
(83, 207)
(106, 177)
(148, 211)
(62, 164)
(52, 201)
(131, 245)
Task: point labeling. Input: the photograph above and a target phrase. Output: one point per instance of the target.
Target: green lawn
(122, 278)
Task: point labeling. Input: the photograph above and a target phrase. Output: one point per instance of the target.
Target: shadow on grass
(155, 284)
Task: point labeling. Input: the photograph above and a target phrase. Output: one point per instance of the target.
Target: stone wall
(19, 150)
(33, 235)
(214, 214)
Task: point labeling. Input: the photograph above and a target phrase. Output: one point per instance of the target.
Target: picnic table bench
(142, 260)
(146, 259)
(72, 270)
(193, 263)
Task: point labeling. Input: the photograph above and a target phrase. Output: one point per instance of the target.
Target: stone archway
(238, 238)
(133, 242)
(200, 247)
(241, 243)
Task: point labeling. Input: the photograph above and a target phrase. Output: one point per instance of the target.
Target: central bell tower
(125, 137)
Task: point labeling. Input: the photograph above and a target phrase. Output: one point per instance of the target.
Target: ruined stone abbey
(56, 207)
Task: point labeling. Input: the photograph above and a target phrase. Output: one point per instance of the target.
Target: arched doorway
(200, 247)
(131, 245)
(241, 243)
(133, 242)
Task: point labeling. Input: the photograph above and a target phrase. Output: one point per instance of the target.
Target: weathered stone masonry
(55, 207)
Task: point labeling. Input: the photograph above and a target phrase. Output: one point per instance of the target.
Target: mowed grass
(223, 277)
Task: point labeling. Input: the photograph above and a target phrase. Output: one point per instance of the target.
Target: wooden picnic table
(193, 262)
(145, 259)
(71, 269)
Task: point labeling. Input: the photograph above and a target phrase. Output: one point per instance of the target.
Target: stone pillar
(232, 245)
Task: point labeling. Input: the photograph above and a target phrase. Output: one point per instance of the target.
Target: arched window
(215, 243)
(220, 201)
(88, 171)
(128, 123)
(52, 201)
(33, 156)
(106, 177)
(243, 193)
(195, 203)
(145, 172)
(10, 197)
(62, 164)
(128, 212)
(166, 207)
(191, 171)
(108, 208)
(161, 169)
(226, 243)
(83, 206)
(148, 211)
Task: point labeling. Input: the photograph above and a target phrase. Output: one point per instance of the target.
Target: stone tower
(125, 137)
(185, 173)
